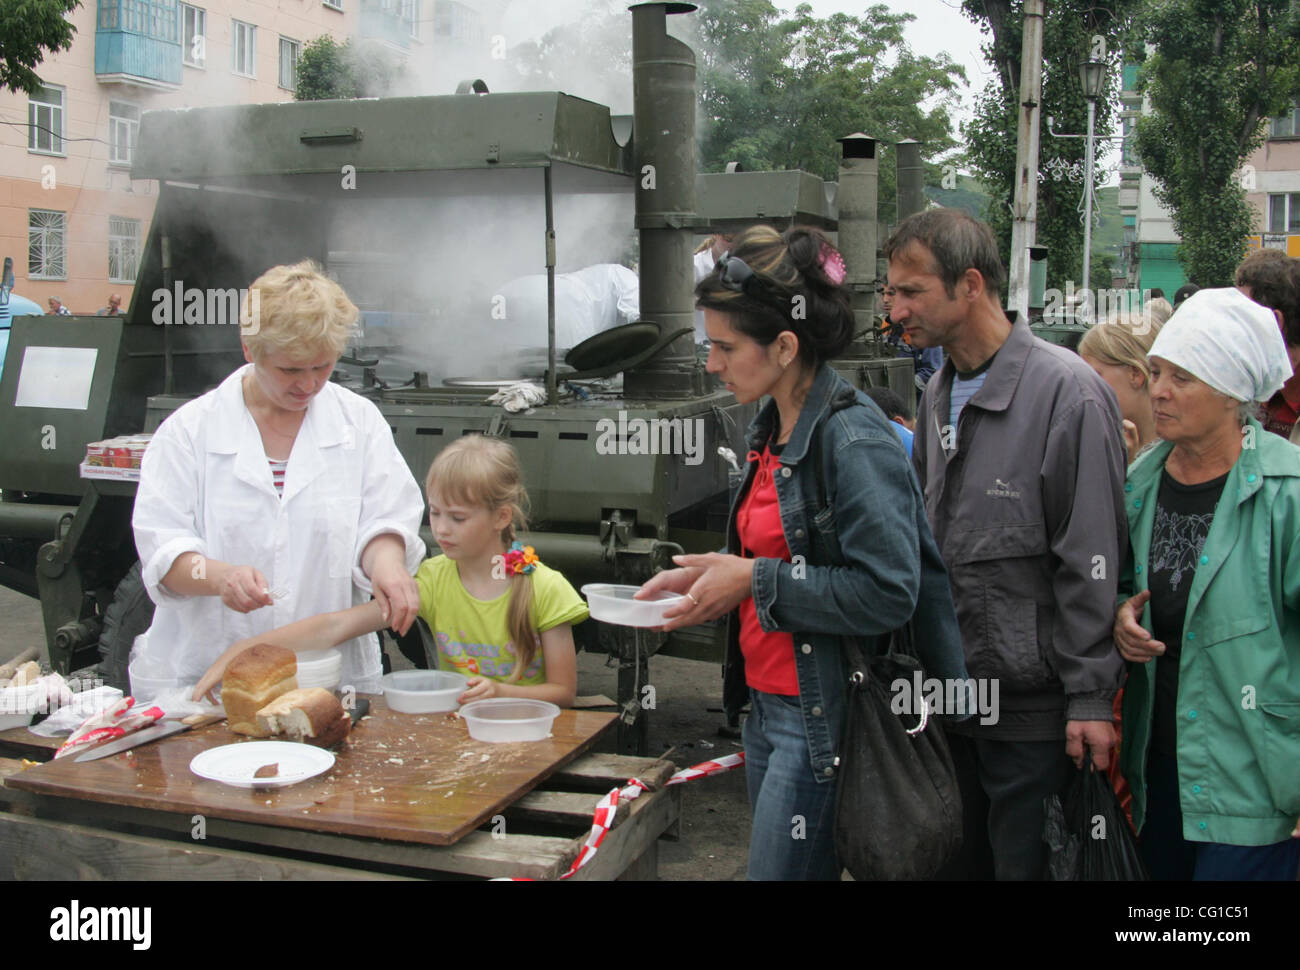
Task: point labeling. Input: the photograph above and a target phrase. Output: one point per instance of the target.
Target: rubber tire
(129, 615)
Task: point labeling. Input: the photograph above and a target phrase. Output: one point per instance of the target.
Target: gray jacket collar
(1003, 376)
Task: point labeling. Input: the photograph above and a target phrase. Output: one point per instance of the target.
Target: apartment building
(71, 216)
(1273, 183)
(1271, 177)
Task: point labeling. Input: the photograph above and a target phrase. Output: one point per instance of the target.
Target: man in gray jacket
(1021, 458)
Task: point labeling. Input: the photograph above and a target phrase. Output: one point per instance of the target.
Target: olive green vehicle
(423, 208)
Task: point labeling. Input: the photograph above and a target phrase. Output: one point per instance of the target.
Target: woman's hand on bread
(211, 677)
(244, 589)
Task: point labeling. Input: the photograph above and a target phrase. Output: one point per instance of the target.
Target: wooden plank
(601, 772)
(21, 743)
(36, 849)
(526, 856)
(10, 766)
(625, 845)
(558, 807)
(400, 777)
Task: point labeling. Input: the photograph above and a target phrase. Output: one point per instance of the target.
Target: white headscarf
(1227, 340)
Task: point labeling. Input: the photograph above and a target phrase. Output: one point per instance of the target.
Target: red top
(1280, 415)
(769, 657)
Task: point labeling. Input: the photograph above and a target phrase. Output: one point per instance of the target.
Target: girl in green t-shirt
(497, 614)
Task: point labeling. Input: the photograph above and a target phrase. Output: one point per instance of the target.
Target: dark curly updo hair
(792, 288)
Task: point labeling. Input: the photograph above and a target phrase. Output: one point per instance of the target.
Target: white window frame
(411, 9)
(242, 33)
(44, 119)
(1290, 213)
(296, 47)
(200, 18)
(334, 4)
(123, 248)
(122, 127)
(55, 233)
(1289, 121)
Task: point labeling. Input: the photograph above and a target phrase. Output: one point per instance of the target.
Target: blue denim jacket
(858, 566)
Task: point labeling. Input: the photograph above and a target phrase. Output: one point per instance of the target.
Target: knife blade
(145, 735)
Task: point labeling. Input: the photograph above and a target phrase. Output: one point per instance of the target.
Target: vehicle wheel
(129, 615)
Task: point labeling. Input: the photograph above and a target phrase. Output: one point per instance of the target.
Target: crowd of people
(1063, 525)
(114, 307)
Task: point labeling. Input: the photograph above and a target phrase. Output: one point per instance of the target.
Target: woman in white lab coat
(276, 496)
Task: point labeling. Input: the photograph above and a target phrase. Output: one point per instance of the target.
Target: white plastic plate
(234, 764)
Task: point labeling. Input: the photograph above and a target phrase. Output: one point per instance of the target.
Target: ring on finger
(692, 599)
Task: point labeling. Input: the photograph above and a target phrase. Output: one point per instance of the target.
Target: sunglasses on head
(735, 274)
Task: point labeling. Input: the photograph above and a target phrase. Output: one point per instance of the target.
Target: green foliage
(328, 69)
(1068, 29)
(29, 28)
(1220, 69)
(777, 90)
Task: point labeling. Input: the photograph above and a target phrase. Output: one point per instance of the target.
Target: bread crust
(311, 714)
(253, 679)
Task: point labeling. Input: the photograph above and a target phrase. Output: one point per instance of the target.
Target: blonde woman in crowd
(1117, 351)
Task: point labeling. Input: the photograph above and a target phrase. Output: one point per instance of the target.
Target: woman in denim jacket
(802, 573)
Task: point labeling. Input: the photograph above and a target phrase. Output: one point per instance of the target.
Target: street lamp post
(1091, 74)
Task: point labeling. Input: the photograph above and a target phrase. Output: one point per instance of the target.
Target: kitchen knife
(145, 735)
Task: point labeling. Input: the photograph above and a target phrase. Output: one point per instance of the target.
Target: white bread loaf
(253, 679)
(313, 715)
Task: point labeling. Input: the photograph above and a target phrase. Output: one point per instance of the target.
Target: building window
(46, 245)
(1287, 125)
(243, 48)
(1284, 213)
(123, 249)
(455, 21)
(123, 127)
(410, 13)
(334, 4)
(194, 35)
(45, 121)
(289, 63)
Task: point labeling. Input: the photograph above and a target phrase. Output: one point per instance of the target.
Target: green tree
(29, 28)
(1068, 31)
(1220, 69)
(777, 90)
(328, 69)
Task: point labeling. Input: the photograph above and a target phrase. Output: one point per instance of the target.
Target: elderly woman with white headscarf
(1212, 628)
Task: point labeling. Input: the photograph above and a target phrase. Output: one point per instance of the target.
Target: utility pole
(1024, 210)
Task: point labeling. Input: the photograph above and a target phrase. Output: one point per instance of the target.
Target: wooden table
(408, 796)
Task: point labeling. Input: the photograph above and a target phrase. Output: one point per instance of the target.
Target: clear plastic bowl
(499, 719)
(614, 604)
(423, 691)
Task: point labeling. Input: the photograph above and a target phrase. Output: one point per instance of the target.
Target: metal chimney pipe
(663, 150)
(911, 179)
(859, 178)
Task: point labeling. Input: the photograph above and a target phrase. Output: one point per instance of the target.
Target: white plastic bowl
(423, 691)
(499, 719)
(614, 604)
(18, 705)
(320, 668)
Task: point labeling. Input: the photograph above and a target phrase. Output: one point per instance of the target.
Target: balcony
(138, 42)
(386, 20)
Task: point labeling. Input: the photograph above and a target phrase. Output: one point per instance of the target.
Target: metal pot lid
(616, 348)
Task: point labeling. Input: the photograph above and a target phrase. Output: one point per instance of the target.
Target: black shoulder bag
(898, 807)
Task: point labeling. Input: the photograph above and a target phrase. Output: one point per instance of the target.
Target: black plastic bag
(1087, 834)
(897, 808)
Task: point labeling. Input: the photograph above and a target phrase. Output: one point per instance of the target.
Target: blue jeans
(793, 834)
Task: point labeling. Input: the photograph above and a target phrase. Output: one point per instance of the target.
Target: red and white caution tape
(607, 807)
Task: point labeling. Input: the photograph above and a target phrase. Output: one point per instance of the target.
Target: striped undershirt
(277, 474)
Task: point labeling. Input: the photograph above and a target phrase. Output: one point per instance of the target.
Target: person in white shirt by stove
(278, 495)
(706, 257)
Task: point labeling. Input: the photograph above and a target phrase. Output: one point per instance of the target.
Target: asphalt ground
(714, 838)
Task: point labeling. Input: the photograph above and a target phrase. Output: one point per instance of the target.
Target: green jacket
(1239, 682)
